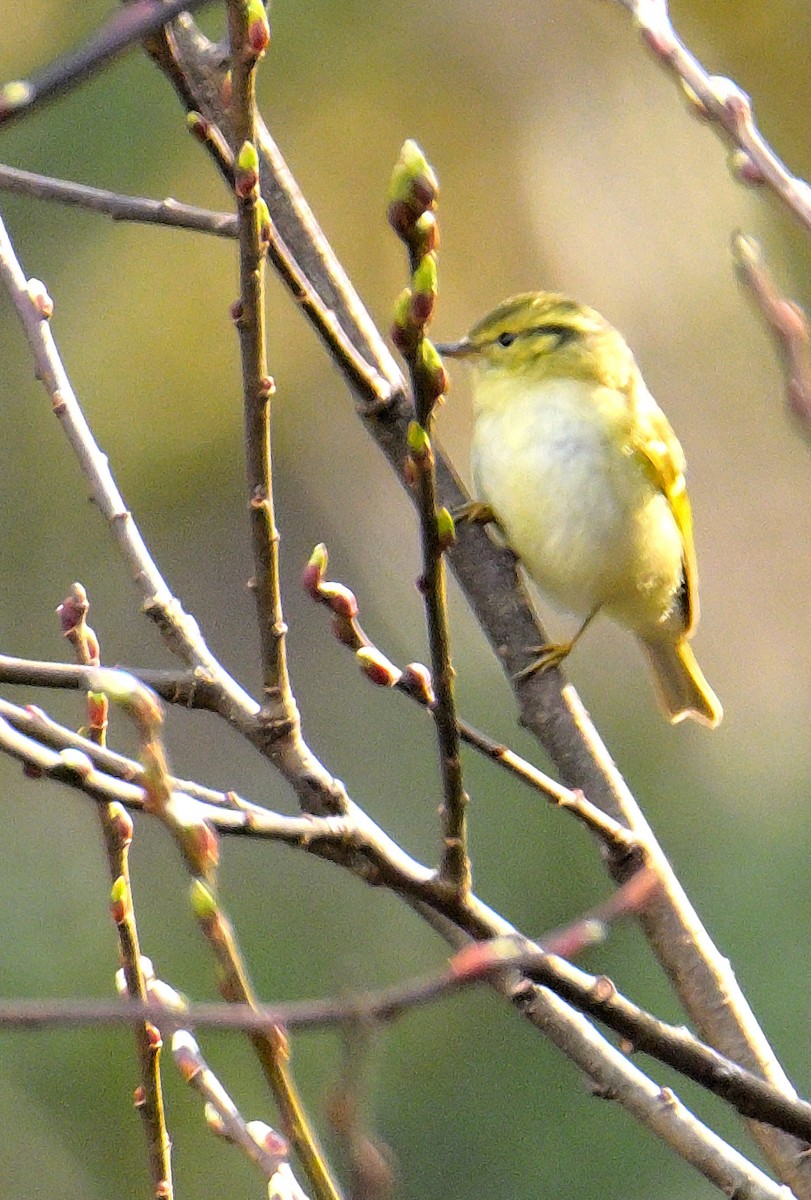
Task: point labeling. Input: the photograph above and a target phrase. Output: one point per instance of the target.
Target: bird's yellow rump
(579, 467)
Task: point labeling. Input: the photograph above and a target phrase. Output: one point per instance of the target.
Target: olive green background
(567, 160)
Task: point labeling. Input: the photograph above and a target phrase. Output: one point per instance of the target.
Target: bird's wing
(662, 457)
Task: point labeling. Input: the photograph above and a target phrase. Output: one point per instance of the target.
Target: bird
(579, 468)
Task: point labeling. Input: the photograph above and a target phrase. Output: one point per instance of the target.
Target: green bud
(419, 442)
(402, 309)
(424, 279)
(446, 530)
(203, 903)
(248, 159)
(246, 178)
(413, 180)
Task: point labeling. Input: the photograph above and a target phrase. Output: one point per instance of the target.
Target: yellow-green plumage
(585, 477)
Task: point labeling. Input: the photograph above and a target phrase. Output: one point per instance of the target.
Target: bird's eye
(505, 339)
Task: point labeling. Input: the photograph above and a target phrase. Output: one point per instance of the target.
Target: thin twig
(230, 1122)
(130, 25)
(594, 995)
(416, 683)
(179, 629)
(412, 200)
(722, 102)
(609, 1070)
(787, 322)
(279, 710)
(113, 204)
(270, 1042)
(116, 827)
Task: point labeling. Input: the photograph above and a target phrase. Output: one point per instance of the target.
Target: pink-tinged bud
(745, 169)
(121, 822)
(267, 387)
(410, 473)
(97, 709)
(313, 574)
(340, 599)
(422, 307)
(73, 609)
(246, 176)
(41, 301)
(413, 182)
(376, 667)
(139, 1097)
(198, 840)
(416, 680)
(163, 1189)
(258, 27)
(119, 901)
(476, 960)
(236, 312)
(153, 1036)
(30, 771)
(404, 338)
(268, 1139)
(186, 1054)
(433, 369)
(198, 126)
(400, 217)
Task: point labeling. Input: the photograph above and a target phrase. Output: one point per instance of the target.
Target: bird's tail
(680, 684)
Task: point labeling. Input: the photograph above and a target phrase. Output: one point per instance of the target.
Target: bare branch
(722, 102)
(132, 24)
(167, 212)
(787, 323)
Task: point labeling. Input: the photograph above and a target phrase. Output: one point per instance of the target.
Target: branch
(132, 24)
(121, 208)
(412, 195)
(787, 323)
(725, 105)
(117, 830)
(595, 995)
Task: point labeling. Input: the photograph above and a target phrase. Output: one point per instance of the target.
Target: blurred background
(567, 161)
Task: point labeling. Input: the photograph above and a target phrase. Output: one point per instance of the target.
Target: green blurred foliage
(568, 161)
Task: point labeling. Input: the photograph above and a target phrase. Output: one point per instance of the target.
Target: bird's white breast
(555, 463)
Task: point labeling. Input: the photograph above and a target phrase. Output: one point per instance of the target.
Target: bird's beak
(458, 349)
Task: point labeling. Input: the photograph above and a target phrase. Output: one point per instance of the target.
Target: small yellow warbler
(579, 467)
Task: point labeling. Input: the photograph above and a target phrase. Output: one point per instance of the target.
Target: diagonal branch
(725, 105)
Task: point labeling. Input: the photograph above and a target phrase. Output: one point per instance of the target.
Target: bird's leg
(553, 653)
(475, 512)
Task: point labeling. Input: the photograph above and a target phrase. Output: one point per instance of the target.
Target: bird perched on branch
(579, 467)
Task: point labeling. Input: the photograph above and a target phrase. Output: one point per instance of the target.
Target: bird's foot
(474, 512)
(546, 658)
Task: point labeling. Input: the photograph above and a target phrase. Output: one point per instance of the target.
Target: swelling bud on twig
(376, 667)
(258, 27)
(413, 188)
(246, 174)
